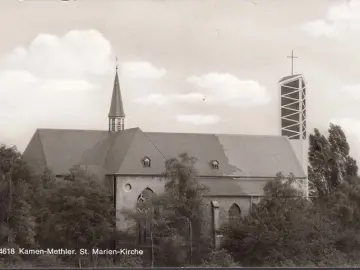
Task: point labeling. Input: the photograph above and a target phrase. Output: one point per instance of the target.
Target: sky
(202, 66)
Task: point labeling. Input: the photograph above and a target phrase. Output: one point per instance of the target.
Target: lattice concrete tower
(293, 117)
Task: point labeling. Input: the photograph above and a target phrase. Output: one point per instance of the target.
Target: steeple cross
(292, 61)
(116, 63)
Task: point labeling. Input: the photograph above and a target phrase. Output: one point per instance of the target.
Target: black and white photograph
(179, 133)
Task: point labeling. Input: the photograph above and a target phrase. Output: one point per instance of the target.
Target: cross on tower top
(292, 61)
(116, 63)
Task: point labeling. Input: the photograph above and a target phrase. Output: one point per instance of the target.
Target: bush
(219, 258)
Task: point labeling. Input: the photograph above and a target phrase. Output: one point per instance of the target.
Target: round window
(127, 187)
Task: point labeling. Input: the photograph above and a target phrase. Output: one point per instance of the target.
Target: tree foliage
(16, 222)
(282, 230)
(285, 229)
(84, 213)
(329, 161)
(178, 225)
(45, 212)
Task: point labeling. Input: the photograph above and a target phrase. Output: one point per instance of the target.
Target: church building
(234, 167)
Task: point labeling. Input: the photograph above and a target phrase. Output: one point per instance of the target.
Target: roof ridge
(68, 129)
(218, 134)
(154, 145)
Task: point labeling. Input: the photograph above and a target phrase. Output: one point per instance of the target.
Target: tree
(178, 224)
(16, 221)
(78, 213)
(318, 171)
(329, 161)
(282, 230)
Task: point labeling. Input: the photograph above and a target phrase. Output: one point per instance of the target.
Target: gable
(142, 147)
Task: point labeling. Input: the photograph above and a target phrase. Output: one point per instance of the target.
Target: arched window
(146, 194)
(234, 214)
(144, 229)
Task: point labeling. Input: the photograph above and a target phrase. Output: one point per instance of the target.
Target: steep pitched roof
(116, 107)
(66, 148)
(238, 155)
(121, 153)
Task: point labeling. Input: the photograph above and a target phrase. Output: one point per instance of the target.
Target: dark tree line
(283, 229)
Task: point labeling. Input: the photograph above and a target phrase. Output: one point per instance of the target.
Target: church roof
(116, 107)
(291, 77)
(102, 152)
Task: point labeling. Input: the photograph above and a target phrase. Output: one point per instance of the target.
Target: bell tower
(116, 114)
(293, 116)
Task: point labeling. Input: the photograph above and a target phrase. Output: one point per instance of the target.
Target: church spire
(116, 113)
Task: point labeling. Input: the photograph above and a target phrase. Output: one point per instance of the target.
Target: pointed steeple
(116, 107)
(116, 113)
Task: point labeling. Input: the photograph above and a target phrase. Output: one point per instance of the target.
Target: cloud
(215, 88)
(353, 91)
(141, 70)
(159, 99)
(226, 88)
(188, 98)
(156, 99)
(198, 119)
(350, 126)
(66, 85)
(77, 52)
(341, 19)
(19, 80)
(36, 79)
(16, 77)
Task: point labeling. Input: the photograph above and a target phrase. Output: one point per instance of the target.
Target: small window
(127, 187)
(215, 164)
(146, 162)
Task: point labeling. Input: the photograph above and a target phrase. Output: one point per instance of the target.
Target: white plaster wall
(301, 149)
(128, 199)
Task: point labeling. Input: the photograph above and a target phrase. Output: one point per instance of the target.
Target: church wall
(128, 198)
(215, 222)
(225, 203)
(301, 148)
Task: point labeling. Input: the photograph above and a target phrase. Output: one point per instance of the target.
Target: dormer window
(146, 162)
(215, 164)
